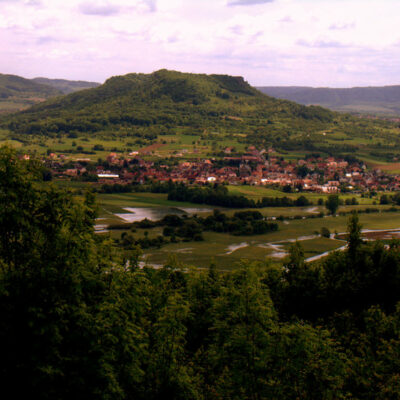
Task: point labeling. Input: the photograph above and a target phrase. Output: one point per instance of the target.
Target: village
(254, 167)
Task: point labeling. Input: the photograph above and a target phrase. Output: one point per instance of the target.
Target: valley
(226, 251)
(188, 212)
(136, 138)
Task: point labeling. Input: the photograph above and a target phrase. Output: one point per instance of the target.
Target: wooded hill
(66, 86)
(375, 100)
(17, 93)
(212, 107)
(166, 100)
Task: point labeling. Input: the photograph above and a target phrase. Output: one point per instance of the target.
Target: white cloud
(104, 10)
(248, 2)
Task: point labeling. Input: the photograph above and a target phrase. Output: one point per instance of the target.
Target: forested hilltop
(79, 319)
(166, 100)
(145, 108)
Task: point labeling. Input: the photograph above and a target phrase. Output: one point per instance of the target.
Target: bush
(325, 232)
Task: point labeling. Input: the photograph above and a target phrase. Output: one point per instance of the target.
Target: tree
(354, 239)
(244, 318)
(50, 285)
(296, 258)
(325, 232)
(332, 203)
(302, 171)
(384, 199)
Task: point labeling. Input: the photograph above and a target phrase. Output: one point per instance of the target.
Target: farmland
(226, 250)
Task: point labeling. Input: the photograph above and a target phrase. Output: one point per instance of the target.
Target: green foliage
(242, 223)
(354, 238)
(332, 203)
(218, 195)
(325, 232)
(77, 321)
(149, 105)
(49, 285)
(214, 107)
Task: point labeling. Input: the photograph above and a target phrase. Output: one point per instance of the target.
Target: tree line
(218, 195)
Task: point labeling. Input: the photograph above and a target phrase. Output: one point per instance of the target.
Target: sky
(329, 43)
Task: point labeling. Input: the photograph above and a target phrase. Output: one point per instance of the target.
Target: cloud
(322, 44)
(25, 2)
(152, 4)
(173, 39)
(254, 38)
(286, 19)
(247, 2)
(104, 10)
(237, 29)
(341, 27)
(46, 39)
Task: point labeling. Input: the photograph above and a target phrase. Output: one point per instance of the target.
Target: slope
(142, 110)
(167, 101)
(17, 93)
(66, 86)
(374, 100)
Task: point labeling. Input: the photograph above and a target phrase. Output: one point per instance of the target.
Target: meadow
(227, 250)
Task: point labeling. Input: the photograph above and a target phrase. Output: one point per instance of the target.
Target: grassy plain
(258, 192)
(176, 146)
(226, 250)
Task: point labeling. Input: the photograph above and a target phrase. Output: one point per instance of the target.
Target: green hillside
(167, 101)
(138, 110)
(373, 100)
(66, 86)
(18, 93)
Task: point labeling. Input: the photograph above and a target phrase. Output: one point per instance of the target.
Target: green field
(226, 250)
(258, 192)
(116, 202)
(180, 146)
(216, 246)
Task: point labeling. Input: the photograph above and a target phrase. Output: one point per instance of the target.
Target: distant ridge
(17, 93)
(384, 100)
(66, 86)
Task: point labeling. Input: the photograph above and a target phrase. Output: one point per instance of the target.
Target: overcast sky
(338, 43)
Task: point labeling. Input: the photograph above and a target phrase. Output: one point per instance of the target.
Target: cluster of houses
(326, 175)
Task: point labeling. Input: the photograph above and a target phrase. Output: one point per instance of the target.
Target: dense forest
(80, 319)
